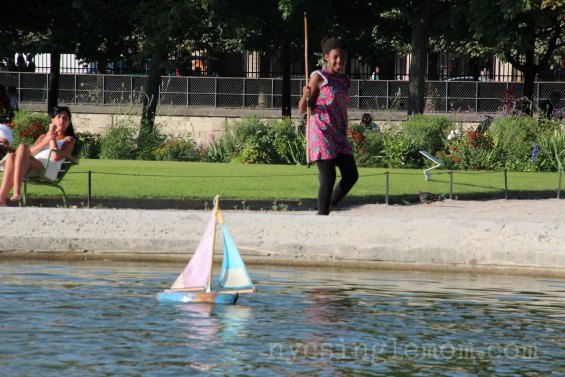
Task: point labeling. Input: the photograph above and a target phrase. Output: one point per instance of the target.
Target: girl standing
(327, 95)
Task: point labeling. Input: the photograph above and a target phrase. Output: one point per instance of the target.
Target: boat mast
(216, 214)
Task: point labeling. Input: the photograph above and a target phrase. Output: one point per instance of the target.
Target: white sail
(197, 272)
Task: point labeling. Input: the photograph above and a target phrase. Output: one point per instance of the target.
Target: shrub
(424, 132)
(27, 126)
(177, 149)
(551, 153)
(289, 142)
(367, 145)
(119, 142)
(296, 149)
(256, 141)
(395, 152)
(258, 149)
(473, 151)
(513, 138)
(221, 149)
(148, 142)
(252, 140)
(91, 147)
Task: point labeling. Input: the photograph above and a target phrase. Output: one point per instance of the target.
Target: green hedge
(518, 143)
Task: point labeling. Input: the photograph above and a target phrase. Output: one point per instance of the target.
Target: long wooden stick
(307, 126)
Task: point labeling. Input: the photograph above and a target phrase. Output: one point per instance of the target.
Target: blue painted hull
(185, 297)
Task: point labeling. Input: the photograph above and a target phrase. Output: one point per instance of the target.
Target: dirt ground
(542, 210)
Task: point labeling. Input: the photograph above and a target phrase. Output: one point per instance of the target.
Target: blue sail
(233, 274)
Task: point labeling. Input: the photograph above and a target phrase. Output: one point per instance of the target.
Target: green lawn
(190, 180)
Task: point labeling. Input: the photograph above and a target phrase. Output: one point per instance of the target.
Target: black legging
(328, 196)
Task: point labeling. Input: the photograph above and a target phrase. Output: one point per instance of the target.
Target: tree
(40, 29)
(520, 31)
(159, 27)
(273, 27)
(420, 16)
(406, 26)
(94, 30)
(105, 32)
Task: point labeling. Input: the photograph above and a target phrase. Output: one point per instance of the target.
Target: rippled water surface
(101, 318)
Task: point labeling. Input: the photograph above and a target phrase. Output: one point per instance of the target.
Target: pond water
(101, 318)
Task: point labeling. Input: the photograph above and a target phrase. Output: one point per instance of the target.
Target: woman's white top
(54, 166)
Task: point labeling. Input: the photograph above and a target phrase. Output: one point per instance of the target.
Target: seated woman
(61, 138)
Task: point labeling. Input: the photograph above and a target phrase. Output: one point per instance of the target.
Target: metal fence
(226, 92)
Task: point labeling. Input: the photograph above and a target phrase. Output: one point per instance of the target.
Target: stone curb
(300, 238)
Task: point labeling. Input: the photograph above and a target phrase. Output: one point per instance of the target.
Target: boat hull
(187, 297)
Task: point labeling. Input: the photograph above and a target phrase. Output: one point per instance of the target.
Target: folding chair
(38, 177)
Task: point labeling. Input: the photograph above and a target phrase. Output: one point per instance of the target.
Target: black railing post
(215, 92)
(244, 94)
(450, 184)
(187, 92)
(559, 183)
(387, 187)
(505, 184)
(89, 188)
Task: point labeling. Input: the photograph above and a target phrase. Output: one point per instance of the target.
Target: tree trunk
(101, 67)
(418, 63)
(529, 77)
(285, 60)
(433, 71)
(54, 78)
(151, 97)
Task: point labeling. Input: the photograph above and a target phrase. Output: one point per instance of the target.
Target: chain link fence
(226, 92)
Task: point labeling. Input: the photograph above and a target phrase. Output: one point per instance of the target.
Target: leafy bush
(473, 151)
(221, 149)
(252, 140)
(396, 151)
(367, 145)
(289, 142)
(119, 142)
(513, 138)
(424, 132)
(551, 153)
(148, 142)
(255, 138)
(258, 149)
(296, 149)
(91, 147)
(177, 149)
(27, 126)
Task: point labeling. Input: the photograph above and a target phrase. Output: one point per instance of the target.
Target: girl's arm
(45, 141)
(310, 92)
(66, 150)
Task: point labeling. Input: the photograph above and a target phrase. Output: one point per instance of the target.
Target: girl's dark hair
(329, 44)
(70, 131)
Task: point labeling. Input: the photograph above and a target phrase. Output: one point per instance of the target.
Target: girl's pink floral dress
(328, 121)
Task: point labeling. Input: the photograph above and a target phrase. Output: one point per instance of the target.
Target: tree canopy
(527, 33)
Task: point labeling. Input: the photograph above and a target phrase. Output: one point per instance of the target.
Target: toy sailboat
(194, 283)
